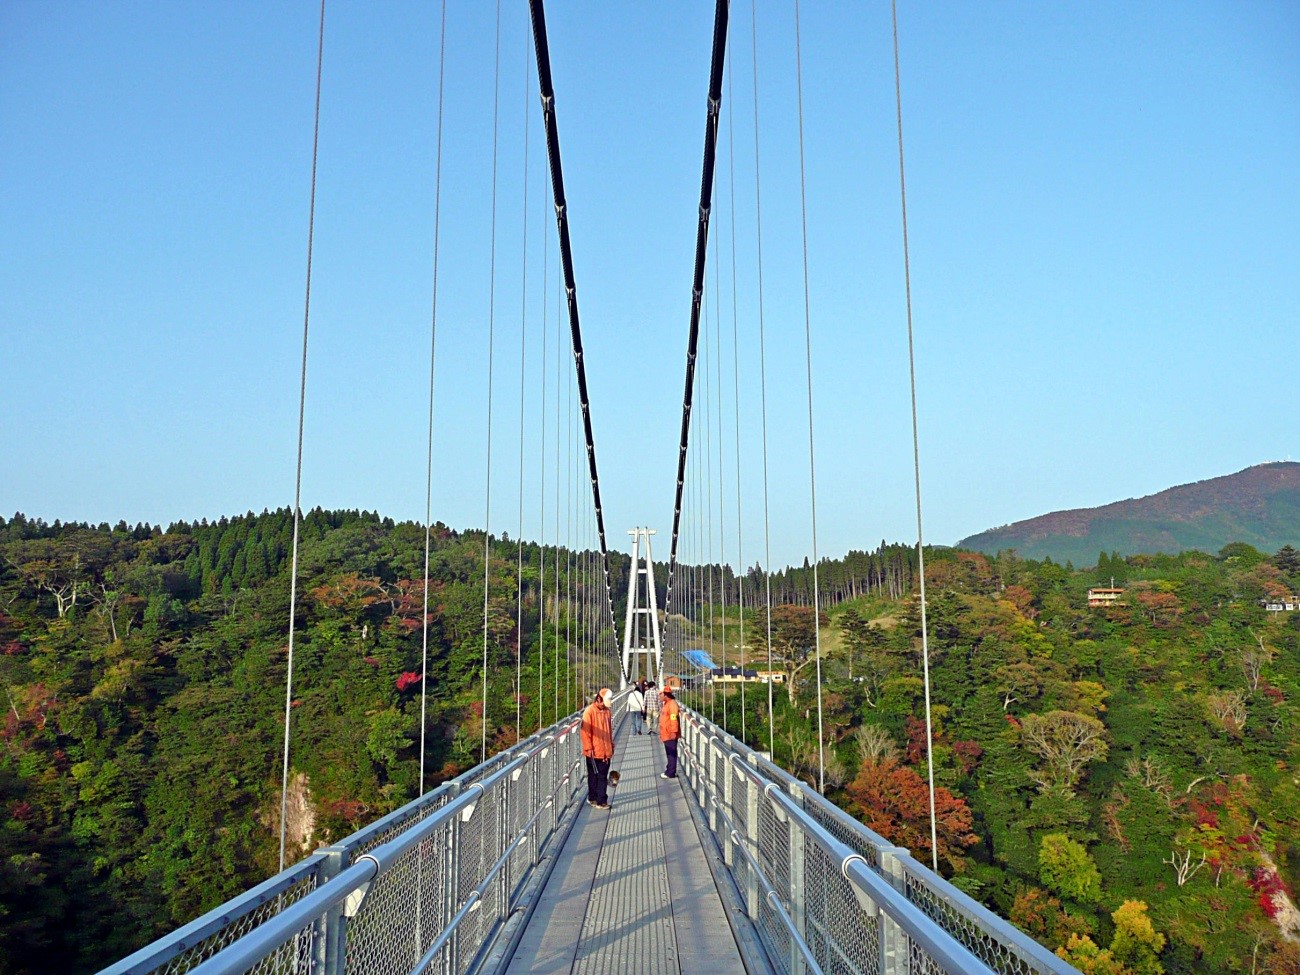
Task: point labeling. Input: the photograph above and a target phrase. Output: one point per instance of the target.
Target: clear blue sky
(1105, 248)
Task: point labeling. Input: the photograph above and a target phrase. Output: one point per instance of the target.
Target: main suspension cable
(720, 18)
(547, 90)
(302, 412)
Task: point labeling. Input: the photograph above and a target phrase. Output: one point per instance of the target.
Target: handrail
(1016, 939)
(159, 952)
(776, 772)
(312, 892)
(476, 894)
(900, 893)
(266, 938)
(342, 871)
(938, 943)
(772, 897)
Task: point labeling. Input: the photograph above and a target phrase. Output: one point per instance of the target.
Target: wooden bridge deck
(633, 889)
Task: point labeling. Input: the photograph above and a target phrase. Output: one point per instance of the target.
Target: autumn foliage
(893, 800)
(408, 679)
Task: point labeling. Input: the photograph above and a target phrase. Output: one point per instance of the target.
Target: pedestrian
(598, 747)
(651, 705)
(670, 729)
(636, 707)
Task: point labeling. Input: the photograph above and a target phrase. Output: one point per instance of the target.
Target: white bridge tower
(641, 654)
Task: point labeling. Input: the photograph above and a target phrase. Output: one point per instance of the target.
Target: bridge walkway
(633, 889)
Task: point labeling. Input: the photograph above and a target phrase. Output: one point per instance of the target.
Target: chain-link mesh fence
(444, 874)
(196, 942)
(825, 893)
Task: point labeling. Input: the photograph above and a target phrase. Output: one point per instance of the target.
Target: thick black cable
(720, 19)
(547, 91)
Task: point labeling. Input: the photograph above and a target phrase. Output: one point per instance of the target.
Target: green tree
(794, 641)
(1134, 949)
(1136, 944)
(1065, 743)
(1065, 867)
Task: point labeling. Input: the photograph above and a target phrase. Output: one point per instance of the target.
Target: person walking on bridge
(651, 705)
(670, 729)
(598, 747)
(636, 707)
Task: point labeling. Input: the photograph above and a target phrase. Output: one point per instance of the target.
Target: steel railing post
(751, 832)
(697, 748)
(798, 890)
(711, 786)
(708, 788)
(536, 796)
(503, 840)
(725, 793)
(330, 947)
(552, 760)
(451, 885)
(706, 784)
(895, 953)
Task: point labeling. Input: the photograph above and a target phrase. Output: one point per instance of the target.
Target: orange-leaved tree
(894, 800)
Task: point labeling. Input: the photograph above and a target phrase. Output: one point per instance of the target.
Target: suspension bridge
(733, 866)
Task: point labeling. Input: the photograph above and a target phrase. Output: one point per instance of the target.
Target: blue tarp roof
(700, 658)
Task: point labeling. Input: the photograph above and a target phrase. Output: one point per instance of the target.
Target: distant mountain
(1259, 506)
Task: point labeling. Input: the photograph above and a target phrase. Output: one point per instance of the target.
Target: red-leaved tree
(893, 800)
(408, 679)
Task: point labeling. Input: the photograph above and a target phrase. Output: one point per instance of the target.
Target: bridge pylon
(641, 652)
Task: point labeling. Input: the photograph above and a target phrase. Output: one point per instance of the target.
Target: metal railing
(428, 888)
(444, 884)
(826, 894)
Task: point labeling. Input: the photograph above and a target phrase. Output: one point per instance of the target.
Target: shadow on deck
(634, 889)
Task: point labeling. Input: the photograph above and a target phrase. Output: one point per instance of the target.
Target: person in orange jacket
(670, 729)
(598, 747)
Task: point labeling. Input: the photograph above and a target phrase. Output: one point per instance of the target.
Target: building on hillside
(736, 675)
(1104, 596)
(1281, 604)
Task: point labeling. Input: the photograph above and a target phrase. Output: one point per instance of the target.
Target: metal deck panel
(550, 941)
(705, 941)
(631, 890)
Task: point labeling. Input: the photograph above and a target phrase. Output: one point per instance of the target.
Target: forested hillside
(143, 674)
(1122, 782)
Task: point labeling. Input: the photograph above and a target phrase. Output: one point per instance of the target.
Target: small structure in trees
(1104, 596)
(738, 675)
(1281, 604)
